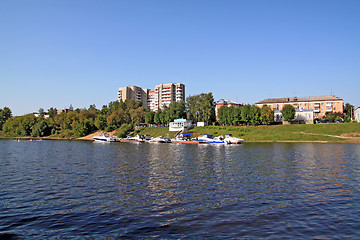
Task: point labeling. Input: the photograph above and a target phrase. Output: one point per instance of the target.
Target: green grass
(298, 132)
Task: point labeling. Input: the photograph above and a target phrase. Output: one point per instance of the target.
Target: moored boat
(137, 138)
(204, 138)
(232, 140)
(104, 137)
(157, 140)
(219, 140)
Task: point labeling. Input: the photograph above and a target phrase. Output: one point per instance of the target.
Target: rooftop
(300, 99)
(222, 101)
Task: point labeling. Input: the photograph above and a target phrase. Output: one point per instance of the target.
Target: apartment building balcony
(329, 109)
(316, 110)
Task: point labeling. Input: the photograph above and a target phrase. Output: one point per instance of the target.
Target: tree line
(253, 115)
(125, 115)
(121, 115)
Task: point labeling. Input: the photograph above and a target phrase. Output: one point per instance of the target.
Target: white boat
(137, 138)
(157, 140)
(178, 139)
(232, 140)
(182, 137)
(204, 138)
(219, 139)
(104, 137)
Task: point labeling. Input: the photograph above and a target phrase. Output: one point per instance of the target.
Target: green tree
(267, 115)
(255, 115)
(157, 119)
(84, 127)
(100, 122)
(105, 110)
(176, 110)
(222, 115)
(149, 117)
(124, 129)
(80, 129)
(246, 114)
(349, 110)
(52, 112)
(236, 116)
(41, 112)
(20, 126)
(229, 116)
(5, 114)
(330, 116)
(137, 115)
(163, 117)
(92, 107)
(117, 118)
(41, 129)
(288, 112)
(201, 108)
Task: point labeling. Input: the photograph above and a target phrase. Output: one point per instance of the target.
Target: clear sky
(57, 53)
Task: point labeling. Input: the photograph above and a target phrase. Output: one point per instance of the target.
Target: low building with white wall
(180, 125)
(357, 114)
(305, 116)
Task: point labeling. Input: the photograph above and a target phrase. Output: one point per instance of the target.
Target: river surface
(77, 190)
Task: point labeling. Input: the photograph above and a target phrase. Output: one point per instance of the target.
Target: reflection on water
(56, 189)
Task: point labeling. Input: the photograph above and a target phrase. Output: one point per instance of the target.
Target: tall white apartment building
(163, 95)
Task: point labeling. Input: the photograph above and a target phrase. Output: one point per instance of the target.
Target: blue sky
(57, 53)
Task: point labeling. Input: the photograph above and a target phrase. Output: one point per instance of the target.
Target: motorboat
(104, 137)
(182, 137)
(137, 138)
(204, 138)
(178, 139)
(232, 140)
(157, 140)
(219, 139)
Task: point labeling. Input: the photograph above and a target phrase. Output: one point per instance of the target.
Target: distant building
(133, 93)
(302, 116)
(321, 105)
(227, 103)
(44, 115)
(357, 114)
(65, 110)
(163, 95)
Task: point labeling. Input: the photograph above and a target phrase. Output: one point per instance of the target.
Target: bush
(124, 129)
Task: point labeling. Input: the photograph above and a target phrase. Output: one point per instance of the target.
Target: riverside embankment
(330, 132)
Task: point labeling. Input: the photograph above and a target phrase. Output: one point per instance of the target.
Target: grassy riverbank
(337, 132)
(332, 132)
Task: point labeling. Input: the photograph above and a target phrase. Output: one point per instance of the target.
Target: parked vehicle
(323, 121)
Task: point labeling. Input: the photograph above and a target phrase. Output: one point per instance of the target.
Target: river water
(77, 190)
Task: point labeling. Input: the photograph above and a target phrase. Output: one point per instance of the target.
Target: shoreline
(88, 139)
(319, 133)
